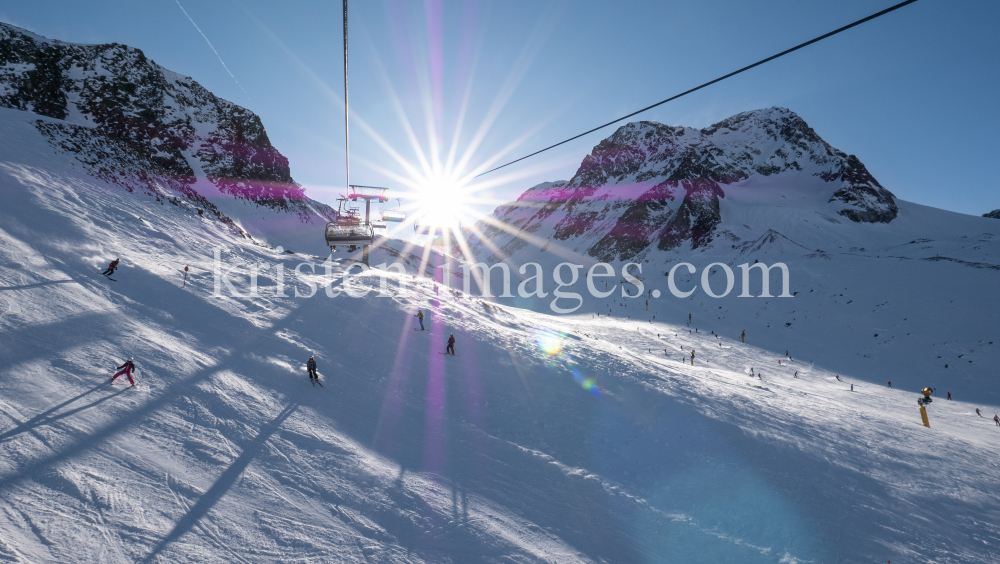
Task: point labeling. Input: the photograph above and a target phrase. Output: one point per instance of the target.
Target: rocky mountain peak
(650, 185)
(133, 123)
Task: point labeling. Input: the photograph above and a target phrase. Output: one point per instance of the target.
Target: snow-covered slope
(549, 439)
(902, 297)
(132, 123)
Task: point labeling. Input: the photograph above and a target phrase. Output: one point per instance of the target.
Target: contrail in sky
(213, 50)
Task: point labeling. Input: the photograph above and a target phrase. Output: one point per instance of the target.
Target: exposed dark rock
(161, 119)
(652, 184)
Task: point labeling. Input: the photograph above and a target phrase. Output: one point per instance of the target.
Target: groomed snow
(549, 439)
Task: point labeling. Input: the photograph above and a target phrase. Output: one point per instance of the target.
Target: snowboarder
(743, 336)
(420, 318)
(125, 369)
(451, 345)
(111, 268)
(890, 384)
(949, 395)
(311, 366)
(978, 413)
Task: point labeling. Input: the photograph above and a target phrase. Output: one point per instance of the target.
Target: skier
(692, 357)
(743, 336)
(996, 420)
(852, 387)
(786, 354)
(111, 268)
(978, 413)
(779, 362)
(838, 378)
(420, 318)
(451, 345)
(689, 319)
(751, 372)
(311, 366)
(796, 374)
(125, 369)
(890, 384)
(949, 395)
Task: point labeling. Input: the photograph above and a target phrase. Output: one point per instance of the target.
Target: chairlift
(396, 216)
(348, 229)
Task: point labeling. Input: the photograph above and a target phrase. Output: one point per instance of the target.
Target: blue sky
(913, 94)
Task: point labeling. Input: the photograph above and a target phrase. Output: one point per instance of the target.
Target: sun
(441, 203)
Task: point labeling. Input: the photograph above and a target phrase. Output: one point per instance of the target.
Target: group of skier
(128, 367)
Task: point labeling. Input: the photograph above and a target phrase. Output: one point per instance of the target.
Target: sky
(440, 89)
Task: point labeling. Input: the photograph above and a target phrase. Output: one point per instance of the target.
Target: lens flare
(550, 343)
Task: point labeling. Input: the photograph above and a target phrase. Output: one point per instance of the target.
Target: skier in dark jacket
(451, 345)
(311, 365)
(978, 413)
(996, 420)
(111, 268)
(125, 369)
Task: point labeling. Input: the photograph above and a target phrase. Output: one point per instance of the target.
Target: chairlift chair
(396, 216)
(348, 229)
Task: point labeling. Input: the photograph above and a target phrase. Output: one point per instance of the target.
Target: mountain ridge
(655, 185)
(148, 129)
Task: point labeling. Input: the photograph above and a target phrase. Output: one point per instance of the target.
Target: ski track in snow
(225, 453)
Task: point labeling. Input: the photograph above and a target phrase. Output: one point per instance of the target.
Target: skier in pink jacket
(125, 369)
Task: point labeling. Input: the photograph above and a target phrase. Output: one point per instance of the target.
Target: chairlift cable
(347, 130)
(721, 78)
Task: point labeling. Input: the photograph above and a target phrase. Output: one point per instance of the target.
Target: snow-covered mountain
(901, 285)
(551, 439)
(651, 186)
(136, 125)
(995, 214)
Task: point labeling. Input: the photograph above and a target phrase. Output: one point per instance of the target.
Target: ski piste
(439, 461)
